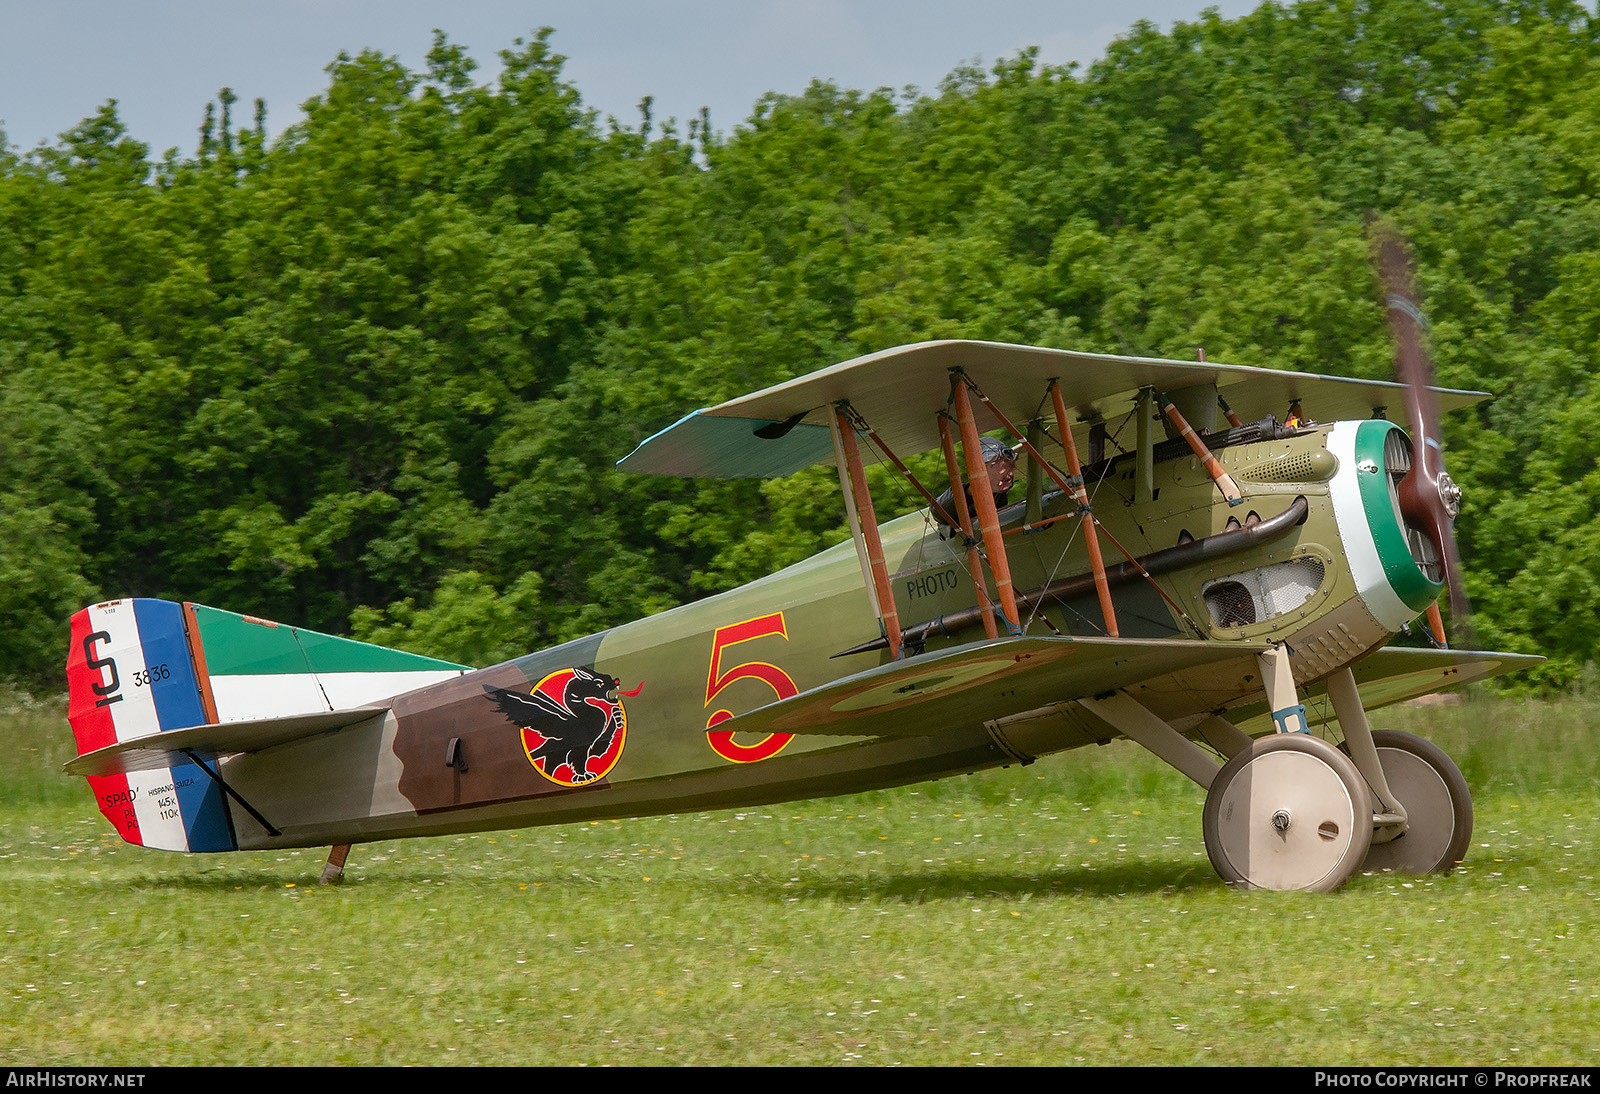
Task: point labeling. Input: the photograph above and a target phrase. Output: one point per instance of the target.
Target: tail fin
(129, 674)
(138, 667)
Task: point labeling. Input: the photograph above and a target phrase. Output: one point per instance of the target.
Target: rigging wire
(882, 456)
(1038, 606)
(864, 434)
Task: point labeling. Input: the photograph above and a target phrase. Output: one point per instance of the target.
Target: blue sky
(162, 60)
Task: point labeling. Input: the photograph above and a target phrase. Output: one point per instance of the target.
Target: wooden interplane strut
(1233, 419)
(938, 510)
(852, 518)
(994, 545)
(1091, 539)
(963, 382)
(333, 870)
(964, 516)
(888, 614)
(1073, 487)
(1436, 625)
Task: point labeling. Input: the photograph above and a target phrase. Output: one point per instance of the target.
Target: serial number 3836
(146, 677)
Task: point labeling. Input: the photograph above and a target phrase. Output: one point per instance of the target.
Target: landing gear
(1289, 812)
(1437, 802)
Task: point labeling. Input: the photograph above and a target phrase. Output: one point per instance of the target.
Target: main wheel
(1289, 812)
(1437, 802)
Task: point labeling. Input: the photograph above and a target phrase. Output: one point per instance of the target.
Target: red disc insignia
(573, 725)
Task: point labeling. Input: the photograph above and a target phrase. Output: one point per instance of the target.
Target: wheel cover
(1431, 816)
(1437, 802)
(1293, 815)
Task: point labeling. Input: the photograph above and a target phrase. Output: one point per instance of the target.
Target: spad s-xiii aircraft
(1184, 569)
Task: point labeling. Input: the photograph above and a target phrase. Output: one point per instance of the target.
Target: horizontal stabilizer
(167, 749)
(971, 683)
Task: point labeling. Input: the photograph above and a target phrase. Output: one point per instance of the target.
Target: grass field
(1055, 914)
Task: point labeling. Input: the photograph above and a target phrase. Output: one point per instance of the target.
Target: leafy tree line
(372, 376)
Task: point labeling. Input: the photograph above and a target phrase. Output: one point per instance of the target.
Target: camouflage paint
(704, 664)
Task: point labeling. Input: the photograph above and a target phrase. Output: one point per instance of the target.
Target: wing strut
(933, 502)
(974, 562)
(1233, 419)
(994, 545)
(1091, 540)
(963, 381)
(1436, 626)
(864, 529)
(964, 523)
(1213, 467)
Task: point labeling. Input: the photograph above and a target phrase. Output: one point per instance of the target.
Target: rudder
(130, 674)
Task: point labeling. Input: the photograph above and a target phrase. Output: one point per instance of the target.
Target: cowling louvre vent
(1296, 468)
(1257, 595)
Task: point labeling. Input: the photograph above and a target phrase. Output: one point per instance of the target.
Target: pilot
(1001, 464)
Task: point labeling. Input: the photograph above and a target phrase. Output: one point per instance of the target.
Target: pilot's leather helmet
(993, 449)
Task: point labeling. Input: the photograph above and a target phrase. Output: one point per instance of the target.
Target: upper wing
(167, 749)
(982, 680)
(782, 429)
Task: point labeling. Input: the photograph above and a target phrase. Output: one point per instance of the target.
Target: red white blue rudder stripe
(129, 675)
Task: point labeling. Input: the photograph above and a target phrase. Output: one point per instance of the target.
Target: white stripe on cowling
(1355, 531)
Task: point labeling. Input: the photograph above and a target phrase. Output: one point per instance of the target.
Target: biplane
(1183, 568)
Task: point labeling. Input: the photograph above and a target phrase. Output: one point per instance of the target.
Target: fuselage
(449, 758)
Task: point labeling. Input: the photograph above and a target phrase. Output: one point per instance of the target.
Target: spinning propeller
(1429, 498)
